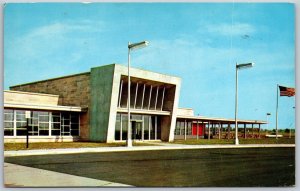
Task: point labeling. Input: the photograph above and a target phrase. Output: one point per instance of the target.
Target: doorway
(137, 130)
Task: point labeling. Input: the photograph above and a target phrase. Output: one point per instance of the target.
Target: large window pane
(152, 128)
(8, 115)
(146, 127)
(8, 132)
(8, 122)
(124, 126)
(158, 127)
(118, 127)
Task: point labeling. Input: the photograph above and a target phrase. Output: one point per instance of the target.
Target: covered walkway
(195, 127)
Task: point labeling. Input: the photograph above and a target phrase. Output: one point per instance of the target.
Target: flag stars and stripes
(286, 91)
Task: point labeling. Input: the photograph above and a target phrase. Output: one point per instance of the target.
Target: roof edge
(50, 79)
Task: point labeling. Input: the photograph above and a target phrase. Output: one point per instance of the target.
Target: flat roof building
(93, 106)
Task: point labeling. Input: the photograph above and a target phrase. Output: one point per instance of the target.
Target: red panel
(200, 129)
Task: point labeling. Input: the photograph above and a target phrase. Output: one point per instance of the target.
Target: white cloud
(208, 73)
(66, 27)
(50, 49)
(227, 29)
(51, 39)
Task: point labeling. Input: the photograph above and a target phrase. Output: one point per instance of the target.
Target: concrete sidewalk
(22, 176)
(160, 146)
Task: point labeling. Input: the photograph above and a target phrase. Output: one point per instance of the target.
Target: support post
(150, 97)
(162, 99)
(203, 126)
(156, 97)
(27, 133)
(121, 127)
(184, 129)
(143, 127)
(143, 96)
(197, 130)
(120, 94)
(228, 131)
(136, 91)
(245, 134)
(208, 130)
(259, 131)
(277, 113)
(219, 131)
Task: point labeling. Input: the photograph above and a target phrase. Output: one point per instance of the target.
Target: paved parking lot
(192, 167)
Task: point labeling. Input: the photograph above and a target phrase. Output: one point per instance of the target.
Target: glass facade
(8, 122)
(143, 96)
(180, 128)
(41, 123)
(144, 127)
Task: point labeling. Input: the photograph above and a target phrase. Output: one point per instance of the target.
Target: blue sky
(199, 42)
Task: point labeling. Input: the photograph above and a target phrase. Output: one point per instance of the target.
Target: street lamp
(290, 136)
(131, 47)
(238, 67)
(268, 114)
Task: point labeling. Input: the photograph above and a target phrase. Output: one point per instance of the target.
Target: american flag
(286, 91)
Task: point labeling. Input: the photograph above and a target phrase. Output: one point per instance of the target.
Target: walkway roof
(219, 120)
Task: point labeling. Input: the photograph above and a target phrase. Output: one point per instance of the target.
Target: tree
(286, 130)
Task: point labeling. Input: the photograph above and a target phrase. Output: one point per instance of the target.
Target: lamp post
(131, 47)
(290, 136)
(27, 116)
(268, 114)
(238, 67)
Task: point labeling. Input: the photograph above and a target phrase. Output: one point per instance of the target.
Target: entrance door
(137, 130)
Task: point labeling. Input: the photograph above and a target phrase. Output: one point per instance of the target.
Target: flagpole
(277, 114)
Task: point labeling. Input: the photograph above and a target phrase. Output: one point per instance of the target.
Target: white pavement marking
(164, 146)
(22, 176)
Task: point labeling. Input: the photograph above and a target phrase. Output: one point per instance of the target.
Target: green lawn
(241, 141)
(59, 145)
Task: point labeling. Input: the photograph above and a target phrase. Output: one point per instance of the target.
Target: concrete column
(150, 97)
(121, 128)
(245, 135)
(162, 99)
(156, 98)
(143, 127)
(15, 123)
(259, 131)
(203, 125)
(143, 96)
(228, 131)
(49, 124)
(252, 131)
(197, 130)
(120, 94)
(149, 127)
(219, 131)
(135, 95)
(155, 128)
(209, 130)
(184, 129)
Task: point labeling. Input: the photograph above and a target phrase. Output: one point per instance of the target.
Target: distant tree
(286, 130)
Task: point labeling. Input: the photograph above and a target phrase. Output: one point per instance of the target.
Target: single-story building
(92, 106)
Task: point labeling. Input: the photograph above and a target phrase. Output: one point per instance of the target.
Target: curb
(138, 148)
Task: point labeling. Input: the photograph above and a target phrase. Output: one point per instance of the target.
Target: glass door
(137, 130)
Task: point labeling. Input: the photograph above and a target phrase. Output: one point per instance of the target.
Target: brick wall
(72, 90)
